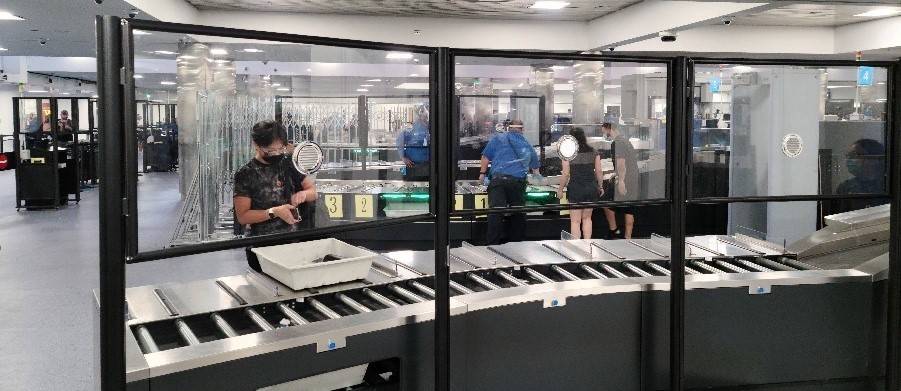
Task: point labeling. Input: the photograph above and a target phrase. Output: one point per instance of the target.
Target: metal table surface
(528, 253)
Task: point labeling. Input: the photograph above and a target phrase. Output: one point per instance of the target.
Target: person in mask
(270, 195)
(865, 160)
(413, 147)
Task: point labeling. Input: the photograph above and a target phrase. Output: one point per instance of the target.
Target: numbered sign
(563, 201)
(481, 201)
(364, 205)
(458, 202)
(334, 203)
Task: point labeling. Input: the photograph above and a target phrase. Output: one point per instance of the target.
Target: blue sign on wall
(715, 84)
(865, 76)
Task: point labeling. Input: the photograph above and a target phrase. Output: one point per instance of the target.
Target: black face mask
(273, 159)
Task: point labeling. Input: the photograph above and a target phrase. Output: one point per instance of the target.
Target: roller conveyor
(352, 305)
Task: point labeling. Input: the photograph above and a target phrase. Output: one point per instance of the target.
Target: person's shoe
(614, 234)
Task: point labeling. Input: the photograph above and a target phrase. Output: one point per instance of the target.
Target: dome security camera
(98, 2)
(728, 21)
(43, 41)
(133, 13)
(667, 36)
(611, 48)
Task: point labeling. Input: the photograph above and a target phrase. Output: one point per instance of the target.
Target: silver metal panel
(530, 253)
(720, 245)
(625, 249)
(573, 252)
(479, 257)
(549, 291)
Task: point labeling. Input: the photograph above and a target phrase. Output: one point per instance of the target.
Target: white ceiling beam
(644, 20)
(872, 35)
(744, 39)
(176, 11)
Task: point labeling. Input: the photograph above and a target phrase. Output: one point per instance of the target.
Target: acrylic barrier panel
(576, 294)
(754, 295)
(35, 136)
(512, 112)
(788, 130)
(207, 175)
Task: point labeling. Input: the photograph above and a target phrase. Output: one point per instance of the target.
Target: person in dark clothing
(270, 195)
(865, 160)
(582, 178)
(413, 147)
(511, 157)
(626, 184)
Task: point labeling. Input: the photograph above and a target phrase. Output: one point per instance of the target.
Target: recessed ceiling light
(549, 5)
(399, 55)
(165, 52)
(36, 91)
(65, 93)
(309, 70)
(140, 32)
(374, 80)
(366, 85)
(880, 12)
(507, 91)
(413, 86)
(218, 52)
(276, 84)
(5, 15)
(252, 50)
(414, 75)
(167, 83)
(2, 49)
(830, 87)
(557, 67)
(362, 90)
(283, 89)
(139, 76)
(607, 87)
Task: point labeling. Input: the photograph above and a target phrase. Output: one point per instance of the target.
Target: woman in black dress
(581, 177)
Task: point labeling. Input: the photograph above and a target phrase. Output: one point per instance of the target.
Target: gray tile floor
(48, 267)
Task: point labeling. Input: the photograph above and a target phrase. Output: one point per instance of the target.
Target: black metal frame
(118, 201)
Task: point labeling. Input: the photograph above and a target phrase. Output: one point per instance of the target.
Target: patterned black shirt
(267, 186)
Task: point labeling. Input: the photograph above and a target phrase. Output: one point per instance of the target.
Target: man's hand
(285, 212)
(408, 162)
(560, 193)
(298, 198)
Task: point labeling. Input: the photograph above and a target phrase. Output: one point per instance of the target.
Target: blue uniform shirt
(506, 161)
(414, 143)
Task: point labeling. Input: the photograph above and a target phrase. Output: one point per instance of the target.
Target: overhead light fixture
(507, 91)
(140, 32)
(309, 70)
(557, 67)
(2, 49)
(252, 50)
(139, 76)
(65, 93)
(276, 84)
(366, 85)
(220, 61)
(218, 52)
(283, 89)
(5, 15)
(831, 87)
(36, 91)
(164, 52)
(742, 68)
(611, 86)
(413, 86)
(362, 90)
(880, 12)
(414, 75)
(186, 57)
(374, 80)
(549, 5)
(399, 55)
(167, 83)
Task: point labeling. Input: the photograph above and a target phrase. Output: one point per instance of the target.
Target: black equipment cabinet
(48, 171)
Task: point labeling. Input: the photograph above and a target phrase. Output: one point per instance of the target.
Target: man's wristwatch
(271, 212)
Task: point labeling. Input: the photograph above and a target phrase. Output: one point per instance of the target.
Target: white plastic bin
(292, 264)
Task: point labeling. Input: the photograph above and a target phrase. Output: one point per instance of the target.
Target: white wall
(7, 92)
(745, 39)
(877, 34)
(450, 32)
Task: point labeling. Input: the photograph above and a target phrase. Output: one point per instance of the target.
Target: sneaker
(614, 234)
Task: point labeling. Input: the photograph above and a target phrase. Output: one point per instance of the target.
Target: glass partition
(200, 98)
(781, 130)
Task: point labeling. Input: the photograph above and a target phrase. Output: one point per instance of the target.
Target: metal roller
(567, 275)
(708, 268)
(658, 268)
(146, 340)
(353, 303)
(460, 288)
(186, 333)
(291, 314)
(481, 281)
(538, 276)
(637, 270)
(423, 288)
(258, 319)
(754, 266)
(731, 267)
(594, 273)
(776, 265)
(509, 277)
(407, 294)
(613, 271)
(328, 312)
(379, 298)
(690, 270)
(223, 326)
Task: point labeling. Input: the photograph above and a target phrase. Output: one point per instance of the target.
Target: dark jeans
(506, 191)
(420, 172)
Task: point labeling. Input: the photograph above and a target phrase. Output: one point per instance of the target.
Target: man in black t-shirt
(627, 181)
(270, 196)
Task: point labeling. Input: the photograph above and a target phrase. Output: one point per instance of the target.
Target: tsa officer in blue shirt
(413, 147)
(511, 157)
